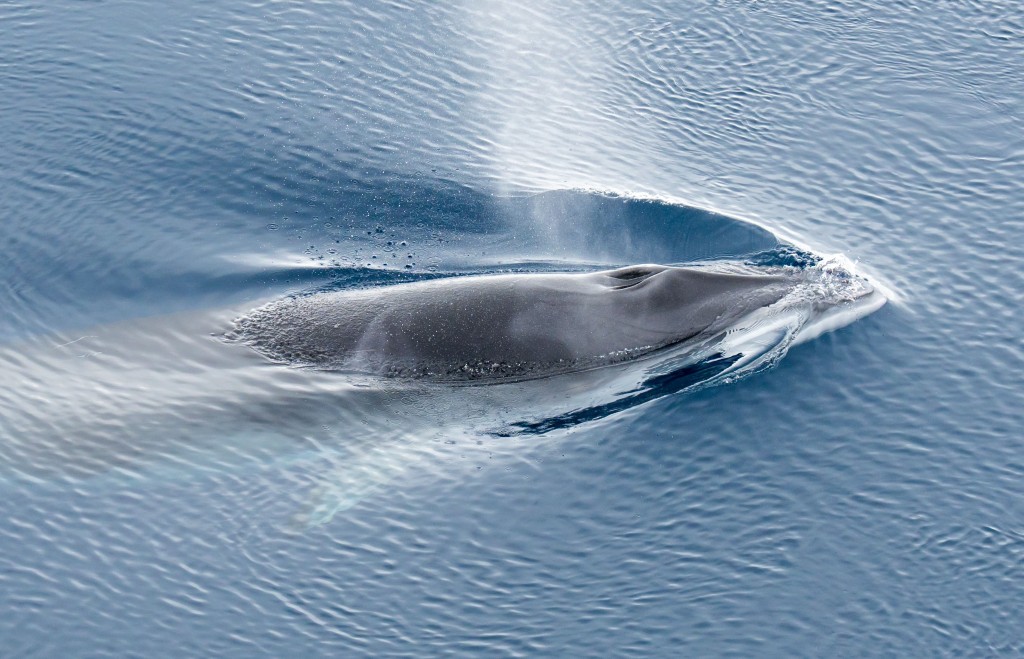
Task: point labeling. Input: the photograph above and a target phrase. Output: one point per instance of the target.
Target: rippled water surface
(167, 167)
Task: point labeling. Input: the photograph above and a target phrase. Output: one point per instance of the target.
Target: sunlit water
(169, 167)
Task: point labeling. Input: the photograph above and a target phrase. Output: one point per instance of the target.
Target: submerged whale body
(512, 326)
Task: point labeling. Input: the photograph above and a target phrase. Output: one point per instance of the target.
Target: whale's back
(503, 326)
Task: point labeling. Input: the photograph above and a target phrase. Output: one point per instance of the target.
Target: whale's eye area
(634, 274)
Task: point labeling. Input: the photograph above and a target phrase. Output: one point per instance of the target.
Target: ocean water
(169, 166)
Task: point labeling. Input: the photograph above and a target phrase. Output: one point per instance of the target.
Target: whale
(502, 327)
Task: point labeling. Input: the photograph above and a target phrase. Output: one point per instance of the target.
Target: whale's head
(666, 304)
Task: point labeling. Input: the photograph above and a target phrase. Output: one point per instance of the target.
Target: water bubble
(272, 227)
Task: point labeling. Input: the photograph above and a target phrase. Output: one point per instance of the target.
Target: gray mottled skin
(506, 326)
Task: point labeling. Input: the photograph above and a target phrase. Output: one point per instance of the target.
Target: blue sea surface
(169, 166)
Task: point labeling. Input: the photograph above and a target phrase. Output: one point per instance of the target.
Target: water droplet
(272, 227)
